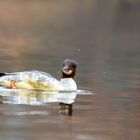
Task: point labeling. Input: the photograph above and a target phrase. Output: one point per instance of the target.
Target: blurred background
(103, 36)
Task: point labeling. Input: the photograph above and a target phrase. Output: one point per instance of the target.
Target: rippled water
(103, 37)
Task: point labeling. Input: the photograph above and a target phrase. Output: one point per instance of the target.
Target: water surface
(103, 37)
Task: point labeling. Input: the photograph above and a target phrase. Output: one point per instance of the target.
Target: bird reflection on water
(37, 97)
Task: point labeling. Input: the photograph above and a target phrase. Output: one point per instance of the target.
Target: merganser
(39, 80)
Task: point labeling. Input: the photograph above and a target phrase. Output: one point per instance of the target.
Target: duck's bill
(67, 72)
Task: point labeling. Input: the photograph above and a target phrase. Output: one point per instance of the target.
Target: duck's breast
(68, 84)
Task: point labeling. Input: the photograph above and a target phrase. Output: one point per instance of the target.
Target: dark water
(104, 37)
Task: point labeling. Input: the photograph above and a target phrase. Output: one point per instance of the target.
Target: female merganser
(41, 80)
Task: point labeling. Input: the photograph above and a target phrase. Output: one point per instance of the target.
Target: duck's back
(40, 80)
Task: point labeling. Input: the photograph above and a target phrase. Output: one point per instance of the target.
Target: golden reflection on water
(15, 45)
(34, 97)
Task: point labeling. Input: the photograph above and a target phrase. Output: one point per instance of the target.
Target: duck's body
(39, 80)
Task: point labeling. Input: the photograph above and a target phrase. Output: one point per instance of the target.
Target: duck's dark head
(69, 68)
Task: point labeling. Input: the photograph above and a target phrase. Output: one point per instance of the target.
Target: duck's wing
(31, 80)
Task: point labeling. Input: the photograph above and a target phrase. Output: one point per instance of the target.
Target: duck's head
(69, 68)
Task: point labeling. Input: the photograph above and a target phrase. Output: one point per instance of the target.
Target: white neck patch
(68, 84)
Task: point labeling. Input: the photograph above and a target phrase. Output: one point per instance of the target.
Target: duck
(40, 80)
